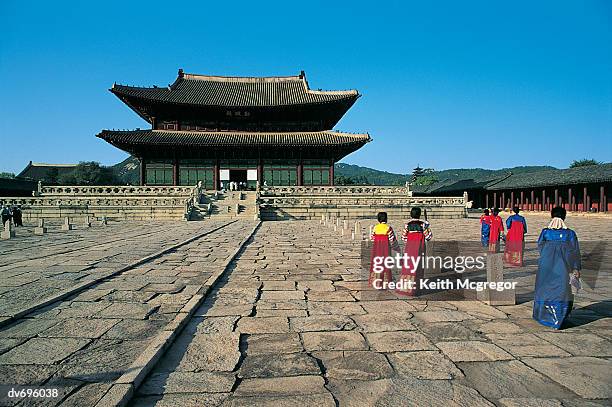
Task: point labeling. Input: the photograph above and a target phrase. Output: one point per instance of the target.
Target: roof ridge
(52, 165)
(248, 79)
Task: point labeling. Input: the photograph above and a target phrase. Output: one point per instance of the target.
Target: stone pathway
(290, 325)
(82, 344)
(34, 268)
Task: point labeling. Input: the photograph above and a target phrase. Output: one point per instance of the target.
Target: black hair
(415, 213)
(558, 212)
(496, 211)
(516, 209)
(486, 212)
(382, 217)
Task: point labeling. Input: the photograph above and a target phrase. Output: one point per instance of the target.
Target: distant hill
(376, 177)
(129, 171)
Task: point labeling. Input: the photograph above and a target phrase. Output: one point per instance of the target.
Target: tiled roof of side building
(205, 90)
(571, 176)
(221, 139)
(40, 171)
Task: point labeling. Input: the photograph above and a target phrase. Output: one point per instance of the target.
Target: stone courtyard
(238, 313)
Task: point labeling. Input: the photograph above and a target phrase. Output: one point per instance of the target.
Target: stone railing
(350, 190)
(81, 190)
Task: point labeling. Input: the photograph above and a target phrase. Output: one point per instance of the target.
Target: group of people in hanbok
(414, 235)
(492, 234)
(559, 264)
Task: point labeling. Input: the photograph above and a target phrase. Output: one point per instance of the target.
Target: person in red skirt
(383, 241)
(416, 233)
(496, 231)
(515, 239)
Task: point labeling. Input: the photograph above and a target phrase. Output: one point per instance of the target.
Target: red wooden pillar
(494, 199)
(602, 199)
(512, 199)
(300, 174)
(216, 181)
(487, 200)
(175, 172)
(532, 201)
(556, 197)
(522, 202)
(569, 199)
(331, 173)
(260, 173)
(503, 205)
(543, 200)
(585, 200)
(143, 171)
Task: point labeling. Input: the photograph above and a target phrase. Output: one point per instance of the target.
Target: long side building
(216, 129)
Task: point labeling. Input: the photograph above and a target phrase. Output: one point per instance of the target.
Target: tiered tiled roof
(222, 139)
(205, 90)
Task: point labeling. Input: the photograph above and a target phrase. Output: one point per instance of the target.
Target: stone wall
(354, 202)
(114, 202)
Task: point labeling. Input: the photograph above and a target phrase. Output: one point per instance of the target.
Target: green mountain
(129, 169)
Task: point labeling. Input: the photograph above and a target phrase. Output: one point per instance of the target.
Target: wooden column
(143, 171)
(260, 173)
(556, 197)
(503, 205)
(532, 201)
(569, 199)
(216, 180)
(495, 199)
(300, 174)
(544, 208)
(522, 202)
(584, 200)
(486, 200)
(331, 173)
(175, 172)
(602, 199)
(512, 199)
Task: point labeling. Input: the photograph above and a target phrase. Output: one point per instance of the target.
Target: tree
(425, 179)
(585, 162)
(7, 175)
(90, 173)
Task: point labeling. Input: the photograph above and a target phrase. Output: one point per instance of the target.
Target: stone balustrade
(352, 190)
(79, 190)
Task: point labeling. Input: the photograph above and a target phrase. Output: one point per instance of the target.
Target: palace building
(216, 129)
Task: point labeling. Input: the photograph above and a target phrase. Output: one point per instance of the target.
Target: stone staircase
(226, 205)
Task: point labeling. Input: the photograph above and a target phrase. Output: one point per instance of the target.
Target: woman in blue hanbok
(485, 228)
(559, 259)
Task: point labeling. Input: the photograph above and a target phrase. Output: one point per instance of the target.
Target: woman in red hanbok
(383, 241)
(415, 233)
(496, 231)
(515, 239)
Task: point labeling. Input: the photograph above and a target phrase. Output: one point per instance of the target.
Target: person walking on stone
(6, 215)
(496, 232)
(383, 241)
(559, 264)
(485, 227)
(17, 216)
(515, 239)
(416, 233)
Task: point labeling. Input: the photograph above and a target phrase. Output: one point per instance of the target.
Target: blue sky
(445, 84)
